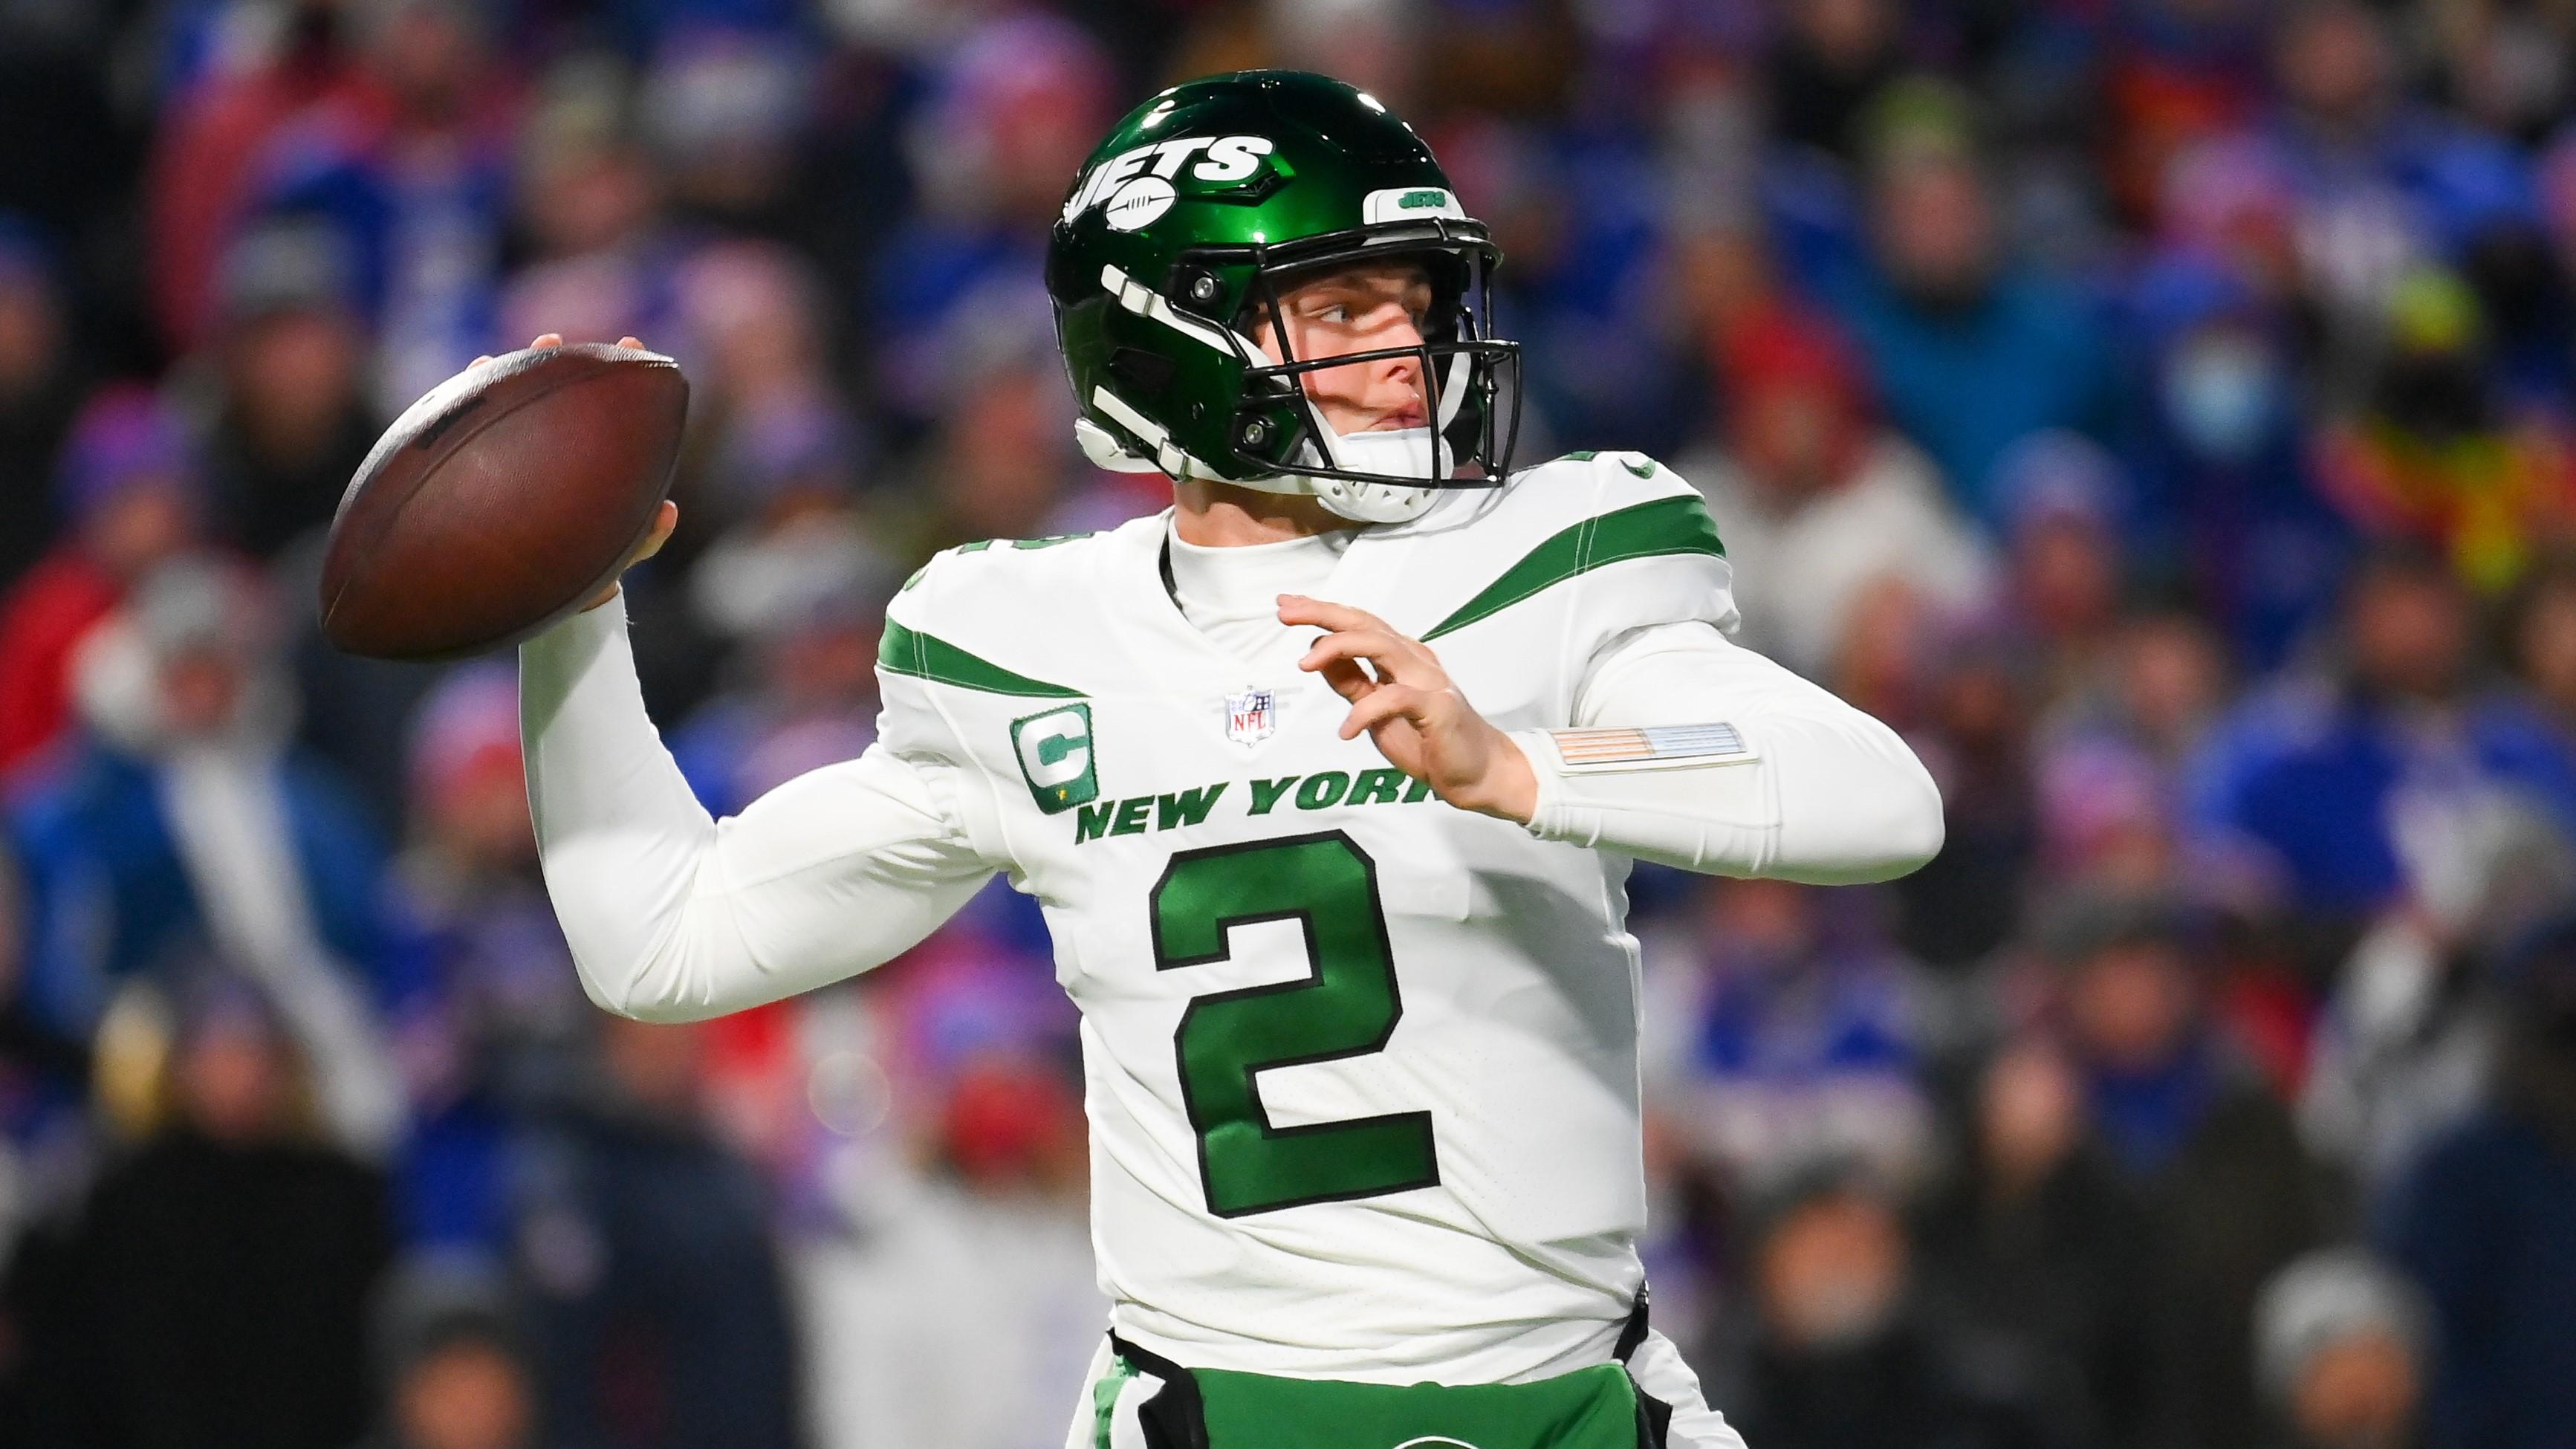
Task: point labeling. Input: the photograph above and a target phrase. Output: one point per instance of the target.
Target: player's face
(1359, 309)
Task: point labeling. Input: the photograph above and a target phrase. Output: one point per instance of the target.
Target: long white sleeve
(1821, 793)
(674, 916)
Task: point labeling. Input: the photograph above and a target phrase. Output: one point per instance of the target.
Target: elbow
(613, 999)
(649, 1009)
(1912, 825)
(1916, 829)
(641, 993)
(616, 1003)
(1896, 833)
(1909, 823)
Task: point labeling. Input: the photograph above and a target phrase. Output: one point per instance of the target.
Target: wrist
(1509, 790)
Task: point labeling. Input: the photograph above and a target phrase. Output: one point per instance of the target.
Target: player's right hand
(1413, 711)
(663, 522)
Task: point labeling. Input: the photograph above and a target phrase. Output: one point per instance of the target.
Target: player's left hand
(1408, 705)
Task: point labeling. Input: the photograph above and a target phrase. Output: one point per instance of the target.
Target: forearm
(674, 916)
(1818, 791)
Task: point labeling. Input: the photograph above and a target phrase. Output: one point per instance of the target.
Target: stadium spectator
(2038, 1255)
(181, 821)
(1012, 110)
(2540, 639)
(288, 420)
(2341, 1344)
(2433, 456)
(946, 1313)
(214, 1288)
(40, 388)
(454, 1362)
(1838, 1353)
(2220, 447)
(2406, 1037)
(2111, 759)
(224, 105)
(2480, 1221)
(727, 108)
(1975, 717)
(1969, 348)
(2185, 1121)
(1815, 499)
(410, 173)
(2300, 784)
(654, 1293)
(2170, 75)
(803, 593)
(605, 257)
(490, 1026)
(2383, 184)
(1826, 66)
(1800, 1035)
(774, 430)
(2497, 69)
(990, 469)
(2065, 574)
(131, 496)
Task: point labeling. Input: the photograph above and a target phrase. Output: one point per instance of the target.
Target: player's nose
(1399, 378)
(1405, 367)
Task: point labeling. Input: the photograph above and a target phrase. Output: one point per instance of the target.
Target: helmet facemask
(1277, 438)
(1383, 475)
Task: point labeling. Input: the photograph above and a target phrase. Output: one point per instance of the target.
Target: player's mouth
(1411, 415)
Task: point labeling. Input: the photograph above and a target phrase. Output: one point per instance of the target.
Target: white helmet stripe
(1151, 305)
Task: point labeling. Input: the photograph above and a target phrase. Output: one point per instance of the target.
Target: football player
(1327, 779)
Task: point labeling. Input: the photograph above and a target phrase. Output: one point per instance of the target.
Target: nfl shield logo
(1249, 716)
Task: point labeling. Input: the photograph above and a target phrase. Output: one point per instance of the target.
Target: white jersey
(1361, 1068)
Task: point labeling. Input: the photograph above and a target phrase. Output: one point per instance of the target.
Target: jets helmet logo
(1136, 185)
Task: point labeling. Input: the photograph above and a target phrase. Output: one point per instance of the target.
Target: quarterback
(1328, 779)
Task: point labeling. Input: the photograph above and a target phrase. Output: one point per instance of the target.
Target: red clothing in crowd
(41, 623)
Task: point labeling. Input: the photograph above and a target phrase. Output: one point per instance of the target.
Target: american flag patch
(1650, 747)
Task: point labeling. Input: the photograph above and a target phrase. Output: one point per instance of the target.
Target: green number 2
(1345, 1007)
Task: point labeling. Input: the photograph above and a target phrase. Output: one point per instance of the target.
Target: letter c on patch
(1055, 749)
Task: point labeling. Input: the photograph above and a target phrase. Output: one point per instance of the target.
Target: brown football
(501, 501)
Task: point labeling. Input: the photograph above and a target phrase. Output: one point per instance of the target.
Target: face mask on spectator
(2221, 391)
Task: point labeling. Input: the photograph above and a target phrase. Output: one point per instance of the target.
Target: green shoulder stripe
(1666, 525)
(924, 656)
(1637, 463)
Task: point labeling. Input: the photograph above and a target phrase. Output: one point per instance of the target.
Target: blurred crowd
(2162, 411)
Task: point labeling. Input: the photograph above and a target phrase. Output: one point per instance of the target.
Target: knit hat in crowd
(125, 438)
(2330, 1297)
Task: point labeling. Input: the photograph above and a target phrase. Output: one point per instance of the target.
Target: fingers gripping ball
(502, 501)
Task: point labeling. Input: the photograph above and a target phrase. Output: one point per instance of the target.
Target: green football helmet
(1183, 229)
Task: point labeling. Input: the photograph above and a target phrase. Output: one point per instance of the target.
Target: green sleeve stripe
(1666, 525)
(924, 656)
